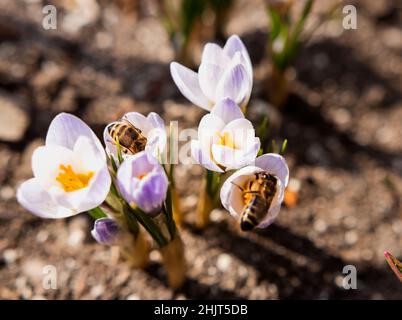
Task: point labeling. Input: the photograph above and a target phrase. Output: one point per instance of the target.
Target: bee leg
(238, 186)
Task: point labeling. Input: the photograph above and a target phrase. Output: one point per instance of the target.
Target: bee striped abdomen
(250, 217)
(258, 195)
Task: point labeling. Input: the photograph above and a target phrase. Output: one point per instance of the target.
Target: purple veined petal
(227, 110)
(276, 164)
(234, 84)
(139, 121)
(65, 129)
(106, 231)
(209, 75)
(35, 199)
(203, 158)
(213, 53)
(233, 45)
(156, 121)
(187, 82)
(151, 192)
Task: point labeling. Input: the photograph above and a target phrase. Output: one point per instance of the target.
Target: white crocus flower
(232, 196)
(223, 73)
(152, 127)
(226, 140)
(70, 171)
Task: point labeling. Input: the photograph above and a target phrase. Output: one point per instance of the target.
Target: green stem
(97, 213)
(147, 222)
(167, 209)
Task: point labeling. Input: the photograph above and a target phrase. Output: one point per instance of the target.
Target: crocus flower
(223, 73)
(152, 128)
(226, 140)
(70, 171)
(143, 182)
(106, 231)
(232, 195)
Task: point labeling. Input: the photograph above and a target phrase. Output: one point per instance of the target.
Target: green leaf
(283, 148)
(146, 221)
(275, 23)
(97, 213)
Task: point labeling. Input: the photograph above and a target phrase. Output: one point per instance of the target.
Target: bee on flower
(254, 194)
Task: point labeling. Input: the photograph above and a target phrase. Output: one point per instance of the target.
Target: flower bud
(106, 231)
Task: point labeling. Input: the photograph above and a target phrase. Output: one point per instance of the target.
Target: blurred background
(339, 106)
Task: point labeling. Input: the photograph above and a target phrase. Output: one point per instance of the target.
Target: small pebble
(320, 226)
(10, 255)
(351, 237)
(223, 262)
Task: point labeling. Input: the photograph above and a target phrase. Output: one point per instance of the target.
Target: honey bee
(130, 138)
(258, 195)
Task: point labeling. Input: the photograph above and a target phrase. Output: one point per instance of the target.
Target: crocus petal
(97, 192)
(234, 84)
(276, 165)
(46, 161)
(66, 128)
(38, 201)
(227, 110)
(212, 53)
(87, 151)
(202, 158)
(105, 231)
(187, 82)
(209, 75)
(139, 121)
(233, 45)
(242, 132)
(208, 128)
(151, 192)
(233, 158)
(155, 120)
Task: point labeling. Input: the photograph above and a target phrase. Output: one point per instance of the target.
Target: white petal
(111, 148)
(227, 110)
(87, 151)
(212, 53)
(139, 121)
(233, 158)
(187, 82)
(234, 84)
(242, 133)
(97, 192)
(155, 120)
(209, 75)
(275, 164)
(233, 45)
(65, 129)
(36, 200)
(46, 163)
(208, 128)
(202, 158)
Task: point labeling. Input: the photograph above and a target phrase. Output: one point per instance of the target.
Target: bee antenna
(237, 186)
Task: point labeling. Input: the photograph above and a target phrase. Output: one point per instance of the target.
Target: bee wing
(395, 264)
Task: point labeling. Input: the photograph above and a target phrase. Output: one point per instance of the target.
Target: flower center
(72, 181)
(226, 140)
(142, 176)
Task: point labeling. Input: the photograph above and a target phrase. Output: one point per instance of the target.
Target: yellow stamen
(225, 139)
(72, 181)
(142, 176)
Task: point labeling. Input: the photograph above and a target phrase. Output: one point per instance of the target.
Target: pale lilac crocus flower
(142, 182)
(226, 140)
(106, 231)
(231, 194)
(223, 73)
(70, 171)
(152, 128)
